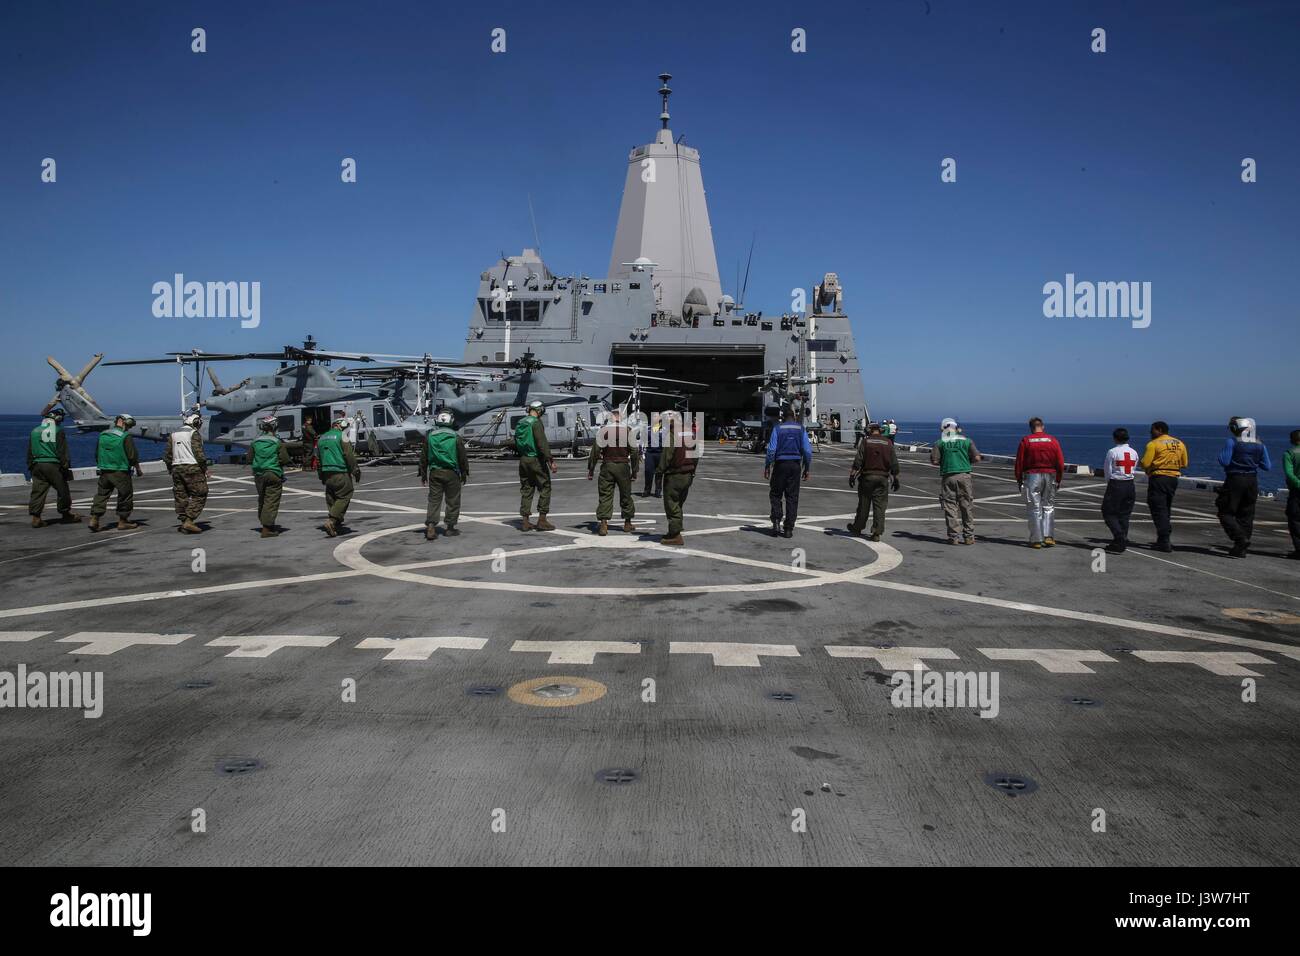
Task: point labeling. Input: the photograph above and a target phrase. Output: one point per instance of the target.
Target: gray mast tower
(664, 220)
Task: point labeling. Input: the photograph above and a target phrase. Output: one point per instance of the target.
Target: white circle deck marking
(349, 554)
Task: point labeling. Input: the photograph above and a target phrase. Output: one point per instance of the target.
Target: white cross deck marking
(576, 652)
(727, 654)
(21, 635)
(1223, 663)
(1055, 660)
(894, 658)
(264, 645)
(110, 642)
(419, 648)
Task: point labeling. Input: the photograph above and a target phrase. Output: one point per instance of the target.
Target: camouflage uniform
(677, 464)
(619, 461)
(189, 479)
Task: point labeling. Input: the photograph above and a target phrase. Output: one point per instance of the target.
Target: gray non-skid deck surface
(416, 770)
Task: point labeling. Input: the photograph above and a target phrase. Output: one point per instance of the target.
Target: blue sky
(225, 166)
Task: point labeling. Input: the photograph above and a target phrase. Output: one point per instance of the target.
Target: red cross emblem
(1127, 462)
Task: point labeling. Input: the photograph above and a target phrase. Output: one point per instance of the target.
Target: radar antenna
(665, 92)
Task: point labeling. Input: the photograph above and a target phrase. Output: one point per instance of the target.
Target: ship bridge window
(719, 321)
(532, 310)
(599, 287)
(767, 326)
(513, 310)
(490, 314)
(634, 285)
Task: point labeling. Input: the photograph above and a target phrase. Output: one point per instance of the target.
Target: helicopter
(778, 389)
(391, 407)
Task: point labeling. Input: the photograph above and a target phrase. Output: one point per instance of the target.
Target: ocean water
(1088, 444)
(15, 431)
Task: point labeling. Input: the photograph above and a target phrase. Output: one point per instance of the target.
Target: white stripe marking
(21, 635)
(1055, 660)
(576, 652)
(264, 645)
(419, 648)
(894, 658)
(732, 654)
(110, 642)
(1223, 663)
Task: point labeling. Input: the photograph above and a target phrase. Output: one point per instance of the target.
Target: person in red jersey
(1040, 469)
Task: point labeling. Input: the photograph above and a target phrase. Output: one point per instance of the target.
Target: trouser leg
(125, 488)
(864, 507)
(965, 493)
(793, 470)
(604, 494)
(103, 489)
(543, 489)
(775, 496)
(1035, 506)
(1249, 495)
(180, 494)
(338, 495)
(1160, 501)
(1227, 502)
(40, 488)
(948, 489)
(433, 511)
(525, 487)
(269, 489)
(878, 488)
(451, 494)
(196, 484)
(1128, 494)
(1110, 510)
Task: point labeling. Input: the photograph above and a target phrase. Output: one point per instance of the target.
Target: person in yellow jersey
(444, 467)
(1163, 461)
(50, 467)
(337, 470)
(115, 459)
(268, 456)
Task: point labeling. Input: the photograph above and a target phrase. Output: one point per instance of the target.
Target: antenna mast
(665, 92)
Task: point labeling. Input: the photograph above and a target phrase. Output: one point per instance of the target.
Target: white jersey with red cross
(1121, 462)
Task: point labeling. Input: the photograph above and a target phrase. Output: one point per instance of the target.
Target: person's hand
(554, 468)
(424, 481)
(807, 475)
(894, 485)
(139, 472)
(590, 476)
(767, 472)
(853, 479)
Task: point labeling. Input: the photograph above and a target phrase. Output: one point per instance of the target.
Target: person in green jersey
(536, 465)
(338, 470)
(444, 467)
(115, 460)
(268, 456)
(954, 453)
(49, 466)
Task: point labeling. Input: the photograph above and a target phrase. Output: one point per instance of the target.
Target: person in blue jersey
(789, 454)
(1243, 457)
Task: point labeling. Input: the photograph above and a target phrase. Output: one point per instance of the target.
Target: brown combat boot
(70, 517)
(674, 540)
(603, 528)
(94, 522)
(525, 524)
(543, 524)
(629, 527)
(189, 527)
(38, 521)
(330, 529)
(268, 531)
(124, 525)
(430, 532)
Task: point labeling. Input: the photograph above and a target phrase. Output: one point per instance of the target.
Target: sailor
(619, 461)
(653, 476)
(48, 463)
(875, 471)
(308, 444)
(337, 470)
(529, 440)
(185, 460)
(1163, 461)
(679, 454)
(1243, 457)
(1040, 469)
(115, 459)
(1291, 466)
(269, 456)
(789, 453)
(954, 453)
(444, 467)
(1117, 503)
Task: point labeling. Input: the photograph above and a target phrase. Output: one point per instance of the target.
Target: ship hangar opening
(723, 399)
